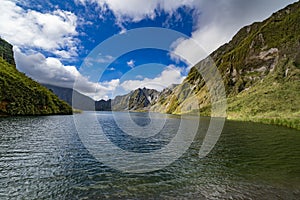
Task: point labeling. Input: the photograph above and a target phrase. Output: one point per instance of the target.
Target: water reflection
(43, 158)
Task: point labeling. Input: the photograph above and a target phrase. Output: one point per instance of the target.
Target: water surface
(43, 158)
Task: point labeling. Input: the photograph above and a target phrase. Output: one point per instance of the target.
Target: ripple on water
(43, 158)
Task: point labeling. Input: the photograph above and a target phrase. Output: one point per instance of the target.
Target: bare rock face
(140, 99)
(263, 62)
(6, 52)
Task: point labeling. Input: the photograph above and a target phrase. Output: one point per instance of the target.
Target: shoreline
(291, 122)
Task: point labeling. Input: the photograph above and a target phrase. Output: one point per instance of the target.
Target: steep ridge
(20, 95)
(260, 68)
(137, 100)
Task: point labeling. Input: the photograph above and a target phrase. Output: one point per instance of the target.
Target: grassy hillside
(260, 68)
(20, 95)
(274, 100)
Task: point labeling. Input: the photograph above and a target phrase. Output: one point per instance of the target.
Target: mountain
(20, 95)
(6, 52)
(103, 105)
(81, 101)
(139, 99)
(260, 67)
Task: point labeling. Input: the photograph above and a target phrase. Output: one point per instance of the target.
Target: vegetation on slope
(20, 95)
(274, 100)
(261, 73)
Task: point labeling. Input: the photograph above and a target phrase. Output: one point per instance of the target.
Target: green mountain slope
(260, 68)
(20, 95)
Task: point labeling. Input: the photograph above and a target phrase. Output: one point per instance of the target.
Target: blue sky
(52, 38)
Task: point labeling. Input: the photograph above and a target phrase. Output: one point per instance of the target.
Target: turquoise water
(44, 158)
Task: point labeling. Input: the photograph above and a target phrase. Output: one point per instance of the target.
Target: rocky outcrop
(6, 52)
(140, 99)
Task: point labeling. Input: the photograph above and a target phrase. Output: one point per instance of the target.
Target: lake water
(44, 158)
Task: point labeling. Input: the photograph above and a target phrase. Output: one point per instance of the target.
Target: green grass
(77, 111)
(20, 95)
(276, 100)
(286, 122)
(270, 96)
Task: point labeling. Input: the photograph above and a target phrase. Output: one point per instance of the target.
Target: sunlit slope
(20, 95)
(260, 68)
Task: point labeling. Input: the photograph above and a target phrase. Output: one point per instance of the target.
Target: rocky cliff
(140, 99)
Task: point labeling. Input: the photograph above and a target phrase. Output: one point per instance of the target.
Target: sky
(63, 42)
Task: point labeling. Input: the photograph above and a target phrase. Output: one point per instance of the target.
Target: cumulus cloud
(53, 32)
(51, 71)
(89, 61)
(171, 75)
(139, 77)
(111, 69)
(131, 63)
(136, 10)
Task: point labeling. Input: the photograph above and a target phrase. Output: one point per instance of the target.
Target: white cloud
(99, 59)
(123, 31)
(131, 63)
(136, 10)
(139, 77)
(171, 75)
(51, 71)
(53, 32)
